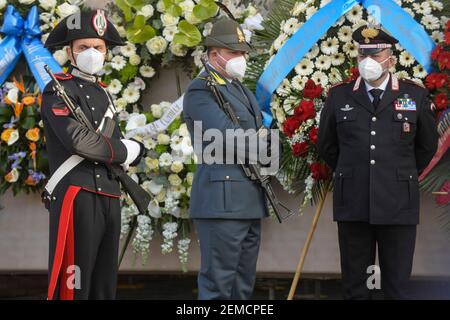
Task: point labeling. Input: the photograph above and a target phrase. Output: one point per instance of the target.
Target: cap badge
(369, 33)
(240, 34)
(100, 23)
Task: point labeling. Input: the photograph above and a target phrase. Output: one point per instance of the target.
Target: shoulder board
(413, 82)
(63, 76)
(102, 84)
(338, 84)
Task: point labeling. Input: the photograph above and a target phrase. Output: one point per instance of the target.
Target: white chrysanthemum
(284, 89)
(351, 49)
(156, 110)
(437, 36)
(165, 160)
(169, 32)
(338, 59)
(114, 86)
(147, 71)
(298, 82)
(423, 8)
(169, 20)
(131, 94)
(419, 72)
(299, 8)
(304, 67)
(335, 76)
(410, 12)
(135, 60)
(323, 62)
(345, 34)
(320, 78)
(147, 11)
(358, 24)
(163, 139)
(278, 43)
(156, 45)
(120, 104)
(402, 74)
(313, 52)
(436, 5)
(61, 56)
(323, 3)
(118, 62)
(310, 11)
(66, 9)
(430, 22)
(149, 143)
(128, 50)
(355, 14)
(406, 59)
(178, 49)
(290, 26)
(330, 46)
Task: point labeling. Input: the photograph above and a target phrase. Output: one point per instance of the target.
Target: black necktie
(376, 94)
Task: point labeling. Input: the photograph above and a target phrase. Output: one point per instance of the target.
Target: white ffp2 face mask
(371, 70)
(235, 67)
(90, 60)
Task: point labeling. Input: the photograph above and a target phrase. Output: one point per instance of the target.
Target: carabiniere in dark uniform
(377, 141)
(84, 205)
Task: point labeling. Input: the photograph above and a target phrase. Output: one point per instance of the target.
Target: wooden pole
(305, 249)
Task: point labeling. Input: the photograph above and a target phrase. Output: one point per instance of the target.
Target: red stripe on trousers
(64, 253)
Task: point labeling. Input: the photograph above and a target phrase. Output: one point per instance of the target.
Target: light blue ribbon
(24, 36)
(411, 35)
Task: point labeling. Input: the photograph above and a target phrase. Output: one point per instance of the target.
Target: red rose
(319, 171)
(313, 135)
(300, 149)
(444, 60)
(441, 101)
(290, 125)
(312, 90)
(448, 25)
(305, 110)
(447, 38)
(436, 52)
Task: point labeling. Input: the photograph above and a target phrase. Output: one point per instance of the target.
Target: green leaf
(173, 8)
(126, 9)
(149, 117)
(140, 32)
(174, 126)
(205, 9)
(188, 34)
(28, 123)
(161, 148)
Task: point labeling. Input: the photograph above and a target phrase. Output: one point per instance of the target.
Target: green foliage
(140, 32)
(188, 34)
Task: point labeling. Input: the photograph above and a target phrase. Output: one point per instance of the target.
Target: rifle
(252, 171)
(140, 197)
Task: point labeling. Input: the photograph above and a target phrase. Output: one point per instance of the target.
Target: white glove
(133, 150)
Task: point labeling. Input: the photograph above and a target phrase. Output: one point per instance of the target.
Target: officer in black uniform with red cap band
(84, 196)
(378, 134)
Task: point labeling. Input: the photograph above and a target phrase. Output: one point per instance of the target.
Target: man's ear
(70, 54)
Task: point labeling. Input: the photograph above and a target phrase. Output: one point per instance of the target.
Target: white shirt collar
(382, 86)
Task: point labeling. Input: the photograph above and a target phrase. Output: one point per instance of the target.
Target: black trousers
(358, 242)
(96, 233)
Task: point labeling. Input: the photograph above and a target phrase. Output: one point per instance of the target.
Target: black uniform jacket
(377, 155)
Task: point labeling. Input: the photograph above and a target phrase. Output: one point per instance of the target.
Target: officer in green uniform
(225, 205)
(378, 134)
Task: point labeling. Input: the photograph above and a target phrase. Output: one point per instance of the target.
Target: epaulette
(338, 84)
(63, 76)
(413, 82)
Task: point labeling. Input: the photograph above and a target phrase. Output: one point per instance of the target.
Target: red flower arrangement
(438, 82)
